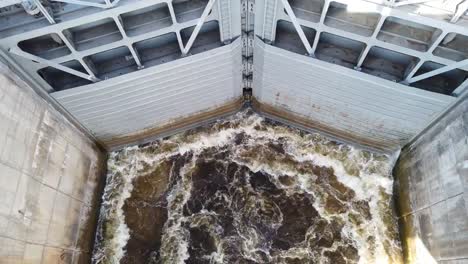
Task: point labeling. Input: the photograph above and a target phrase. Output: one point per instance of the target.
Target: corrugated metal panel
(269, 22)
(345, 100)
(155, 96)
(224, 7)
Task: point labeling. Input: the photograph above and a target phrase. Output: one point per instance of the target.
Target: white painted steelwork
(439, 71)
(385, 12)
(342, 95)
(64, 33)
(156, 96)
(198, 26)
(297, 26)
(376, 69)
(353, 103)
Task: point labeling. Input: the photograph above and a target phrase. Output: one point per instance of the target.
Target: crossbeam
(52, 64)
(297, 26)
(200, 23)
(444, 69)
(461, 88)
(461, 9)
(107, 4)
(44, 11)
(411, 2)
(83, 3)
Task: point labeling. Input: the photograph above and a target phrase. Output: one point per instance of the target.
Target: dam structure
(233, 131)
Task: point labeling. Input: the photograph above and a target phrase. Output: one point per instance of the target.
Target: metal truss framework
(184, 48)
(461, 8)
(195, 32)
(445, 30)
(221, 12)
(106, 4)
(151, 90)
(48, 15)
(29, 64)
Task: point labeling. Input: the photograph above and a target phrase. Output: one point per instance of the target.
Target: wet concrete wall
(50, 177)
(432, 176)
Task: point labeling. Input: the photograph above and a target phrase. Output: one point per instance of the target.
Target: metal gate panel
(157, 96)
(350, 103)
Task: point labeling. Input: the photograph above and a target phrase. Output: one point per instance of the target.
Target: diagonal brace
(200, 23)
(108, 3)
(44, 11)
(463, 87)
(447, 68)
(297, 26)
(84, 3)
(461, 9)
(58, 66)
(410, 2)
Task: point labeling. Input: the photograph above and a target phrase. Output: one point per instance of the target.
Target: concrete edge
(408, 146)
(22, 80)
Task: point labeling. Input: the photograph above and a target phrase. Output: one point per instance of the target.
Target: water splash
(247, 190)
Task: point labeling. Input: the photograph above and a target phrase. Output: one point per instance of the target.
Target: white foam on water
(367, 186)
(175, 239)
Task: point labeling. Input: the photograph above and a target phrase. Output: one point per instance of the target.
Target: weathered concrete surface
(50, 177)
(432, 177)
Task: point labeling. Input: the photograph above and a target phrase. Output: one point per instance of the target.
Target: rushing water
(246, 190)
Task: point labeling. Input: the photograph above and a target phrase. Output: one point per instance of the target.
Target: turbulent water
(247, 190)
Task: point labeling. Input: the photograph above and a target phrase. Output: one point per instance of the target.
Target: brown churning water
(247, 190)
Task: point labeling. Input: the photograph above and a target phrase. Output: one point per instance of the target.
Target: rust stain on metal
(180, 123)
(285, 114)
(233, 106)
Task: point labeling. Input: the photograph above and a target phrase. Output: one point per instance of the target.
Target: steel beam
(423, 55)
(420, 63)
(200, 23)
(370, 44)
(461, 9)
(297, 26)
(447, 68)
(83, 3)
(74, 52)
(319, 28)
(83, 55)
(174, 21)
(5, 3)
(411, 2)
(44, 11)
(135, 56)
(58, 66)
(461, 88)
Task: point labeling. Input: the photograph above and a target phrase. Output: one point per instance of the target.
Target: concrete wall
(432, 176)
(50, 177)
